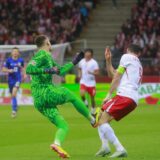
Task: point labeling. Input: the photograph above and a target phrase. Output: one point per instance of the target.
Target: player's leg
(92, 92)
(13, 91)
(60, 95)
(78, 104)
(83, 93)
(105, 149)
(116, 108)
(14, 99)
(106, 130)
(62, 129)
(93, 103)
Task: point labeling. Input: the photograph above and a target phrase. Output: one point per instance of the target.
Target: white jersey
(131, 79)
(88, 66)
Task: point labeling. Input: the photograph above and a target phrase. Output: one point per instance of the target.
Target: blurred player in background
(14, 66)
(88, 70)
(47, 96)
(126, 79)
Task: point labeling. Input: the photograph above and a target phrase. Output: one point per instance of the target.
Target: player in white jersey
(88, 69)
(126, 79)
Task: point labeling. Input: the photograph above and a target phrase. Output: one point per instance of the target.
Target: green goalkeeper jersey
(41, 61)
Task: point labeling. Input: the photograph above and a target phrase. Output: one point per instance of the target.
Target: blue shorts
(12, 85)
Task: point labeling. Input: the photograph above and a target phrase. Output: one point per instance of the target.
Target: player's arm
(95, 68)
(115, 82)
(34, 66)
(23, 67)
(33, 69)
(110, 69)
(79, 73)
(68, 66)
(24, 72)
(6, 69)
(95, 72)
(63, 69)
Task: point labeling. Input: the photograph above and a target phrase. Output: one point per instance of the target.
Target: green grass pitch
(29, 135)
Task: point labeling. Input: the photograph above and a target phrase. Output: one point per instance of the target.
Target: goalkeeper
(47, 96)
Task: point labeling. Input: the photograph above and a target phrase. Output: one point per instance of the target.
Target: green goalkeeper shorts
(51, 96)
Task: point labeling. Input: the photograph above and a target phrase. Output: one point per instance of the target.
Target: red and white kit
(87, 81)
(127, 93)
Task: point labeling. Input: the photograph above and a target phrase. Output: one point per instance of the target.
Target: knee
(105, 118)
(82, 93)
(13, 95)
(14, 92)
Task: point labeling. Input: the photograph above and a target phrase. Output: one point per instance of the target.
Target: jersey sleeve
(124, 63)
(6, 64)
(63, 69)
(96, 67)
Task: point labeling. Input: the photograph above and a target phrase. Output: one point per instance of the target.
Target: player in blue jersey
(14, 66)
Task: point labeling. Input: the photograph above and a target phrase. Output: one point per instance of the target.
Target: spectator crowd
(61, 20)
(143, 28)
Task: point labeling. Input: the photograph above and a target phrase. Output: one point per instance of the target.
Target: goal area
(27, 51)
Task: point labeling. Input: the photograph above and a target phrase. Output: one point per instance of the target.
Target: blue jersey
(16, 65)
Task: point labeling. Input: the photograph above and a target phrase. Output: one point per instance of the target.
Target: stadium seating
(142, 28)
(61, 20)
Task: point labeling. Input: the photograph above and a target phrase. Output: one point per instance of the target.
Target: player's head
(135, 49)
(88, 53)
(42, 41)
(15, 53)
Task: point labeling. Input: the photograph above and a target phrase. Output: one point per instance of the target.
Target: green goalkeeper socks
(60, 136)
(62, 131)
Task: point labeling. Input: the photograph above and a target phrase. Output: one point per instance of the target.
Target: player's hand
(108, 55)
(24, 77)
(10, 70)
(78, 57)
(89, 72)
(79, 76)
(53, 70)
(108, 97)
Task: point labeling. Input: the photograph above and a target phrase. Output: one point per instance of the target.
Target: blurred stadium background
(73, 25)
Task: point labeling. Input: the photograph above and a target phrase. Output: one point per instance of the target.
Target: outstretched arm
(108, 56)
(32, 69)
(115, 82)
(63, 69)
(68, 66)
(117, 77)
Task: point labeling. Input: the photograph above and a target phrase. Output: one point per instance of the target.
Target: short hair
(15, 48)
(39, 40)
(135, 48)
(89, 50)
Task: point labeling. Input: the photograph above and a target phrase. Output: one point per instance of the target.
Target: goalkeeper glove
(53, 70)
(78, 57)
